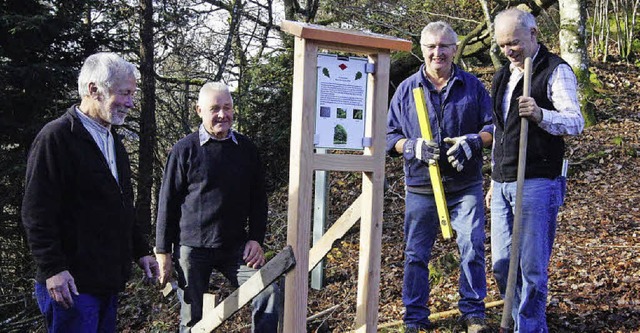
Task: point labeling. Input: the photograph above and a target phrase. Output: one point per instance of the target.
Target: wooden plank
(349, 37)
(337, 231)
(373, 200)
(209, 302)
(275, 267)
(169, 288)
(440, 315)
(337, 162)
(300, 183)
(337, 46)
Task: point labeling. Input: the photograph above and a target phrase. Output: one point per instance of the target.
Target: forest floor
(595, 266)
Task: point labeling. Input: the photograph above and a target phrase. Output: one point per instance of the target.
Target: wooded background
(179, 45)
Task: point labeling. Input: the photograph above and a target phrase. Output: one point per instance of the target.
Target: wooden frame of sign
(304, 161)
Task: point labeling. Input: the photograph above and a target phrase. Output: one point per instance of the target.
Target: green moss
(586, 84)
(594, 80)
(597, 155)
(617, 141)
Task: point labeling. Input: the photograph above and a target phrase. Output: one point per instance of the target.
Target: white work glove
(463, 149)
(424, 150)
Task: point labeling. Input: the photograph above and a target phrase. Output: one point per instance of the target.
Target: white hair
(438, 28)
(104, 69)
(523, 18)
(209, 87)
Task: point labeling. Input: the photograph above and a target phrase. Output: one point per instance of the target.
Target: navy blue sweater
(212, 196)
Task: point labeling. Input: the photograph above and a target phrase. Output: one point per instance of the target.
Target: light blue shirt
(204, 136)
(103, 138)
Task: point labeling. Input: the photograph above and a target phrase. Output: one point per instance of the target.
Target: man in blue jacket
(212, 212)
(78, 204)
(460, 116)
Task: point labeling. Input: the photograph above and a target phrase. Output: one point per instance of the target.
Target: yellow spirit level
(434, 169)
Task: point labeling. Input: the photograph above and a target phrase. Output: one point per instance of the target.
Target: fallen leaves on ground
(594, 270)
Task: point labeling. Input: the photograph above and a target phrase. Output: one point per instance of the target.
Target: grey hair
(438, 28)
(210, 87)
(104, 69)
(523, 18)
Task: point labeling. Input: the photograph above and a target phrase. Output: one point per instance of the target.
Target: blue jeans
(194, 267)
(541, 200)
(421, 229)
(89, 313)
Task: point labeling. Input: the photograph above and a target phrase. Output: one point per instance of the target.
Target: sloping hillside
(595, 267)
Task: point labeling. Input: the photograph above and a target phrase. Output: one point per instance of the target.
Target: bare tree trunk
(236, 16)
(616, 17)
(594, 19)
(625, 12)
(243, 82)
(293, 10)
(493, 49)
(604, 29)
(573, 49)
(632, 25)
(147, 114)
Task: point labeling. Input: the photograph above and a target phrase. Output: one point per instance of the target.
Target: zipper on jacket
(502, 156)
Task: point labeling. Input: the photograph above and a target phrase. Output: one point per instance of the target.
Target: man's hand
(60, 287)
(463, 149)
(425, 150)
(253, 255)
(166, 267)
(528, 108)
(487, 198)
(150, 267)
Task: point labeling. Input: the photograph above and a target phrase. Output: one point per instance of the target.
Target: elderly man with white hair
(212, 212)
(553, 111)
(78, 204)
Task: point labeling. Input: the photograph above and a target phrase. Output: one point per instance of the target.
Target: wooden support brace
(209, 301)
(337, 231)
(273, 269)
(169, 288)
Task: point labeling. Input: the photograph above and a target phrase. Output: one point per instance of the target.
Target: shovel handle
(514, 261)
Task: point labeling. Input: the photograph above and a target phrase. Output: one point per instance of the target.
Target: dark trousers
(194, 267)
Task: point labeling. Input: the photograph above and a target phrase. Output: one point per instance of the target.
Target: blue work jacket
(465, 108)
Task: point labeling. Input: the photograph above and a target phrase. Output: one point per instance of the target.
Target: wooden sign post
(304, 161)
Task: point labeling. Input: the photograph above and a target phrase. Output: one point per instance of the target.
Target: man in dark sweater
(78, 204)
(212, 212)
(553, 111)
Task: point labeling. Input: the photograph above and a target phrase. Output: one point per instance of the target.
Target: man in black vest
(553, 111)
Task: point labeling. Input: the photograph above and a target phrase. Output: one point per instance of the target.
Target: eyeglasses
(432, 47)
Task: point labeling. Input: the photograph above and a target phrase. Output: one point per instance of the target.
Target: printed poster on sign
(340, 103)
